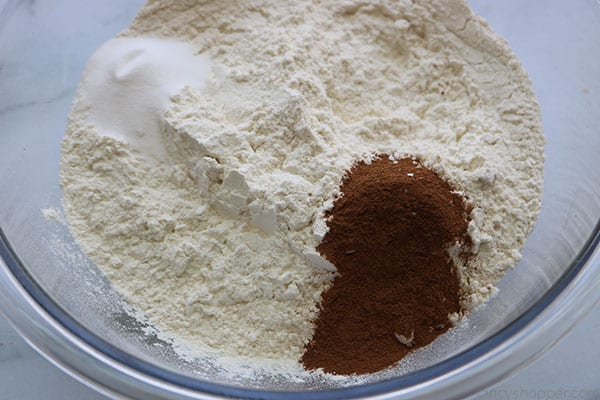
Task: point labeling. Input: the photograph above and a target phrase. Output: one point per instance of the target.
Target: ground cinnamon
(389, 238)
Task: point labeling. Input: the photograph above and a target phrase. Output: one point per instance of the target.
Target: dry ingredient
(389, 236)
(213, 237)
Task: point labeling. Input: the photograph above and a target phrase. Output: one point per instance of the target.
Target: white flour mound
(214, 240)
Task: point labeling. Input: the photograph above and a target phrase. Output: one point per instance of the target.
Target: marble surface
(569, 371)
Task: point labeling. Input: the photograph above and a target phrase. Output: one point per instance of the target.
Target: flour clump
(208, 218)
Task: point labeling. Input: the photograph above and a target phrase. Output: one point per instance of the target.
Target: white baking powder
(211, 230)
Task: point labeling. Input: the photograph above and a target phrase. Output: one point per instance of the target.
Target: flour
(215, 239)
(128, 83)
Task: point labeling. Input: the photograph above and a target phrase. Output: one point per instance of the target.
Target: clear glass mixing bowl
(64, 307)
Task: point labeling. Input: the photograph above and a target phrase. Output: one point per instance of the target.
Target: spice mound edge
(389, 237)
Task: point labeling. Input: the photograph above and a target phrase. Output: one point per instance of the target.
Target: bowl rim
(446, 379)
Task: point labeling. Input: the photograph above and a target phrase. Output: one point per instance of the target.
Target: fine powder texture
(389, 236)
(215, 243)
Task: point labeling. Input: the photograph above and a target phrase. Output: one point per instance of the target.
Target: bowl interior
(43, 48)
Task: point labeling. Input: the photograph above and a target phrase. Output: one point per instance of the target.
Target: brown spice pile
(389, 237)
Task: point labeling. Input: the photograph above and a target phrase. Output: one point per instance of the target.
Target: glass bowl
(64, 308)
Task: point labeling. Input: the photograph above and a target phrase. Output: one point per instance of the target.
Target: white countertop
(568, 371)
